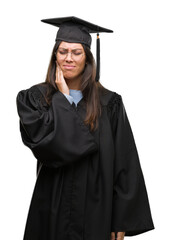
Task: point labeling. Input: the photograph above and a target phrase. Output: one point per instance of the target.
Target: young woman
(89, 180)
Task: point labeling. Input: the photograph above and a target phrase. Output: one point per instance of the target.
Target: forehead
(68, 45)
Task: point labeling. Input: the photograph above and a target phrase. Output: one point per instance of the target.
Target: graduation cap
(76, 30)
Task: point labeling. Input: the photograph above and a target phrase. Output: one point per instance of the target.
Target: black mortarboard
(73, 29)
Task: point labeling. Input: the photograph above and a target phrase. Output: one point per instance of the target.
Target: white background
(135, 62)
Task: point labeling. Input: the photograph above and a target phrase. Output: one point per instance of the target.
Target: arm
(55, 134)
(131, 210)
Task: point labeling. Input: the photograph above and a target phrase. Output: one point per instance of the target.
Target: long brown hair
(89, 87)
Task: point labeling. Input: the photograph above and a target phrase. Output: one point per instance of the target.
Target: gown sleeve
(56, 134)
(131, 211)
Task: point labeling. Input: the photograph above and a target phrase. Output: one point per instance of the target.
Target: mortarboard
(73, 29)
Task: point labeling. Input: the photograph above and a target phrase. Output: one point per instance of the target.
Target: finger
(112, 236)
(58, 74)
(61, 75)
(120, 235)
(56, 71)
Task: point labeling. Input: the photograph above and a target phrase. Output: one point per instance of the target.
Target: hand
(119, 236)
(60, 81)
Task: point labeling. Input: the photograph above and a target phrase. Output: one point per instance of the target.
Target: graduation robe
(89, 184)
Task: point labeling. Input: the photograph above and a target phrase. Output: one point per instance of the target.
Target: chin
(69, 76)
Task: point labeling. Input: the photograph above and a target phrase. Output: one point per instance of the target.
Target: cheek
(59, 62)
(82, 66)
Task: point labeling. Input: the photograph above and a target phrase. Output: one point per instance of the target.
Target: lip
(69, 67)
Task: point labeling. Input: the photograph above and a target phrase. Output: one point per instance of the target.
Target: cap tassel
(97, 58)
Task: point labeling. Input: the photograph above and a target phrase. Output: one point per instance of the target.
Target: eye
(77, 52)
(62, 51)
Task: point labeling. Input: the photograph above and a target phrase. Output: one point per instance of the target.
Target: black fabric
(70, 32)
(53, 134)
(92, 28)
(76, 30)
(89, 183)
(73, 29)
(97, 58)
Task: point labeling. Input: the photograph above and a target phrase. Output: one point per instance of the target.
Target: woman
(89, 180)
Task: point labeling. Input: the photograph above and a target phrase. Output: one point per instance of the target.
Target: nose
(69, 57)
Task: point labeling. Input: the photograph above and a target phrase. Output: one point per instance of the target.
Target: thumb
(112, 236)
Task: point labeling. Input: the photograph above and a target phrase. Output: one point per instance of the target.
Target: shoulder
(34, 94)
(109, 97)
(39, 89)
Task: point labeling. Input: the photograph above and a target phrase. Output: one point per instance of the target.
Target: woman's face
(71, 59)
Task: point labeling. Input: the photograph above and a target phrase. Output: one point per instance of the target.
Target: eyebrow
(71, 49)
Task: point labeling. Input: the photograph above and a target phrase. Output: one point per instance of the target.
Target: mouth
(68, 67)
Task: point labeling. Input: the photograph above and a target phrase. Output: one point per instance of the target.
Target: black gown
(89, 184)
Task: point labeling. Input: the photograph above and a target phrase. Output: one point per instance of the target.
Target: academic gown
(89, 184)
